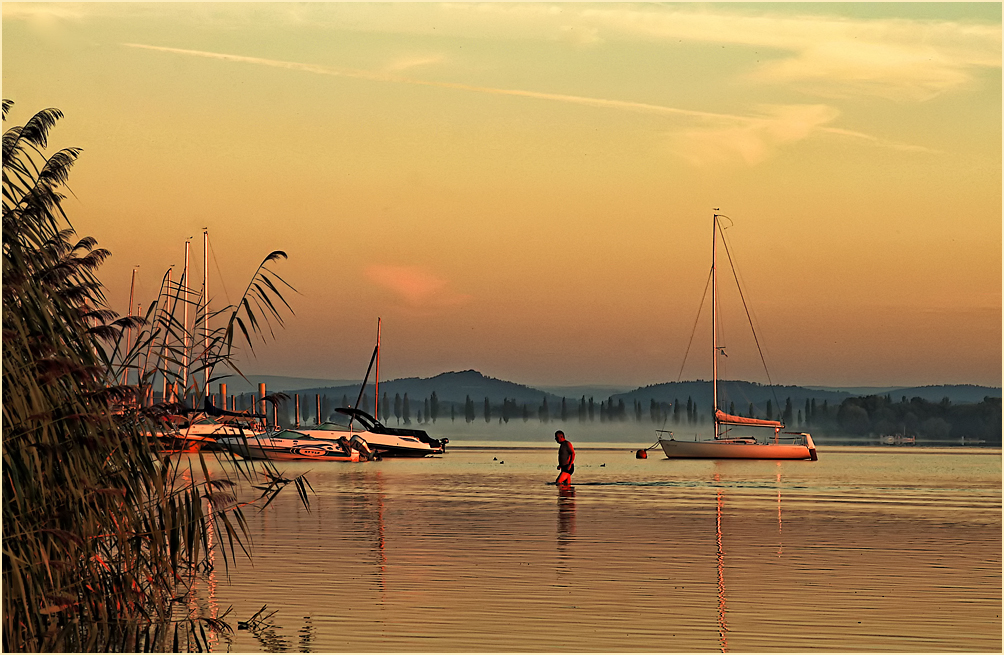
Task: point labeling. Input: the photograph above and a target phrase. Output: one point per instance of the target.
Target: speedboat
(286, 445)
(387, 442)
(184, 434)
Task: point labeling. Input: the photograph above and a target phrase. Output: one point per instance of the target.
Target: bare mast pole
(184, 327)
(167, 332)
(376, 401)
(128, 343)
(205, 308)
(714, 323)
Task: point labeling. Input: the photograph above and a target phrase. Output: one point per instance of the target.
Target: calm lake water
(867, 549)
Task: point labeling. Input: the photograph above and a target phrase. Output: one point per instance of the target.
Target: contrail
(557, 97)
(384, 77)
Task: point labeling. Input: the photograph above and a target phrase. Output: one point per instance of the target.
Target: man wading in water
(566, 458)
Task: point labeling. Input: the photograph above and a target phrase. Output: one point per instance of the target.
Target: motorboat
(794, 445)
(286, 445)
(386, 441)
(190, 434)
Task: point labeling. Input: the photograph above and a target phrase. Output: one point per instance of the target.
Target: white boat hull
(283, 447)
(737, 449)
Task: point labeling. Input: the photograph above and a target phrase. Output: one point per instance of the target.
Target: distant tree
(406, 410)
(752, 413)
(676, 411)
(453, 412)
(425, 406)
(591, 409)
(468, 409)
(505, 410)
(564, 410)
(543, 414)
(799, 418)
(397, 407)
(385, 408)
(419, 418)
(526, 413)
(732, 408)
(434, 406)
(690, 410)
(770, 410)
(787, 414)
(582, 410)
(653, 411)
(488, 410)
(345, 401)
(621, 410)
(603, 412)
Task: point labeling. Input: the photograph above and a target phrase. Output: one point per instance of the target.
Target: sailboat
(793, 445)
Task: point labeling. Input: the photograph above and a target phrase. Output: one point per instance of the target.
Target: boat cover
(729, 419)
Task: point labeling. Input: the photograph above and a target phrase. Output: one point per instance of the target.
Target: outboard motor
(364, 449)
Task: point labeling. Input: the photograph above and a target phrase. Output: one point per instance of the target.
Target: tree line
(869, 415)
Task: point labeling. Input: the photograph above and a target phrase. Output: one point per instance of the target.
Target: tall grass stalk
(103, 535)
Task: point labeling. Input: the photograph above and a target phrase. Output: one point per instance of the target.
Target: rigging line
(749, 318)
(694, 331)
(212, 249)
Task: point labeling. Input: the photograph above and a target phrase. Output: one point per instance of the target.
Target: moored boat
(794, 445)
(288, 445)
(393, 442)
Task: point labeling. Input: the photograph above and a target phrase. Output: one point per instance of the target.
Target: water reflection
(364, 510)
(780, 543)
(566, 527)
(306, 635)
(723, 626)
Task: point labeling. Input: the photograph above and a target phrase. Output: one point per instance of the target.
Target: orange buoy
(641, 454)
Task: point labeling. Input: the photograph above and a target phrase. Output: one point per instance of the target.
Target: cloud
(749, 137)
(415, 286)
(413, 62)
(753, 141)
(831, 56)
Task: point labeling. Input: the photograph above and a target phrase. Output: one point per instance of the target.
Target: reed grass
(103, 534)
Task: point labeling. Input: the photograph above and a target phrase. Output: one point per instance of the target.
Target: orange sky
(527, 189)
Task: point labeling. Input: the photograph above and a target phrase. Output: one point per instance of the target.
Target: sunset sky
(528, 189)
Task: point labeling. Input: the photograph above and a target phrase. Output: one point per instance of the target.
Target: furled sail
(729, 419)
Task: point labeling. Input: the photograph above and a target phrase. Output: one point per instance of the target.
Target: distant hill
(957, 393)
(739, 392)
(449, 387)
(456, 386)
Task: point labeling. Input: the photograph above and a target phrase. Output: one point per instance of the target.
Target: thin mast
(376, 401)
(184, 327)
(714, 324)
(205, 309)
(128, 343)
(167, 333)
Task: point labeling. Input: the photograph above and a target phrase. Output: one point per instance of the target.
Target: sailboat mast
(184, 327)
(376, 400)
(714, 324)
(128, 343)
(205, 308)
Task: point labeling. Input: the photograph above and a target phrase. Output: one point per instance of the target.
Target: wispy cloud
(414, 62)
(832, 56)
(751, 135)
(415, 286)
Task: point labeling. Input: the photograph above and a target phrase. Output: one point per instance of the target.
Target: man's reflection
(566, 525)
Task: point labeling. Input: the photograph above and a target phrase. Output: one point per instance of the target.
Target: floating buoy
(641, 454)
